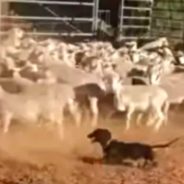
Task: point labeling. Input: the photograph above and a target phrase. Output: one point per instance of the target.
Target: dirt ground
(36, 156)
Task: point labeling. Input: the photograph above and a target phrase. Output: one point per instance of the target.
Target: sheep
(161, 42)
(51, 61)
(35, 104)
(78, 78)
(15, 82)
(10, 44)
(141, 98)
(173, 84)
(181, 58)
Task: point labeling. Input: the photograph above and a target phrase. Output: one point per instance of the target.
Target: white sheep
(142, 99)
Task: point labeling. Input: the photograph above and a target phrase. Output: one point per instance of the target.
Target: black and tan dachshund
(117, 152)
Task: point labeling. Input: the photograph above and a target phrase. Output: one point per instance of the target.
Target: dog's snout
(90, 135)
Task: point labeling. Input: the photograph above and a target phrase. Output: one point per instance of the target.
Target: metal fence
(52, 18)
(151, 19)
(135, 18)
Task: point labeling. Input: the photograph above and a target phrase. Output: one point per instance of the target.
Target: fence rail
(50, 2)
(66, 24)
(54, 34)
(80, 19)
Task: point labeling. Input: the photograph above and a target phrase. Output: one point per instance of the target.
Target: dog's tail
(166, 144)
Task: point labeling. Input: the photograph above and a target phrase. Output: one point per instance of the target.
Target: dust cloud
(36, 155)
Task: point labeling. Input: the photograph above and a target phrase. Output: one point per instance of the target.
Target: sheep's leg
(150, 122)
(139, 118)
(161, 115)
(60, 128)
(160, 120)
(93, 102)
(129, 115)
(6, 122)
(165, 111)
(74, 111)
(56, 119)
(152, 117)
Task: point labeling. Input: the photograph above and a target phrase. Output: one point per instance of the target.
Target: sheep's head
(113, 82)
(16, 33)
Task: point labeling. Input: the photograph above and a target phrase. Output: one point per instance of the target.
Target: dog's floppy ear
(106, 134)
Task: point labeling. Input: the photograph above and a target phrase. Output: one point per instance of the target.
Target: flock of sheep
(42, 81)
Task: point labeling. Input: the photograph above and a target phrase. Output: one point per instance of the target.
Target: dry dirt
(36, 156)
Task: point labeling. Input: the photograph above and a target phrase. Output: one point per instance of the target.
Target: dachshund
(117, 152)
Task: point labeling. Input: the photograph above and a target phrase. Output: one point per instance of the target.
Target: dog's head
(101, 136)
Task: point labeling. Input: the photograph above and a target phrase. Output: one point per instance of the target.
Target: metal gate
(52, 18)
(135, 19)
